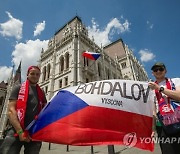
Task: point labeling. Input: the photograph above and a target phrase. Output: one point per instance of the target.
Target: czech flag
(91, 55)
(108, 112)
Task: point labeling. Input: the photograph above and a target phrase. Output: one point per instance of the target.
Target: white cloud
(150, 25)
(39, 28)
(103, 36)
(5, 73)
(146, 55)
(29, 53)
(11, 28)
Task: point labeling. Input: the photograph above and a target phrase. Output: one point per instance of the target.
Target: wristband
(20, 132)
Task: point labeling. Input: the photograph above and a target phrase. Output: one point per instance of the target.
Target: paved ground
(61, 149)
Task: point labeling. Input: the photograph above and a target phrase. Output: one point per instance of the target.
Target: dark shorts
(12, 145)
(166, 147)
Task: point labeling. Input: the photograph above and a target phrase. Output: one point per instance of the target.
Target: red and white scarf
(22, 101)
(170, 109)
(165, 106)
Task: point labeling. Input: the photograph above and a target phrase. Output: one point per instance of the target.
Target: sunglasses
(158, 69)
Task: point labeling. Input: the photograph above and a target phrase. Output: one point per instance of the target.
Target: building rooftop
(112, 43)
(76, 17)
(3, 85)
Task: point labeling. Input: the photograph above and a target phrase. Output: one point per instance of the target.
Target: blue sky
(151, 28)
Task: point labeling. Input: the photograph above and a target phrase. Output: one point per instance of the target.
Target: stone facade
(130, 67)
(7, 90)
(63, 65)
(3, 90)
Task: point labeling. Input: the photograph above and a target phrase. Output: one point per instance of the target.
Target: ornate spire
(17, 77)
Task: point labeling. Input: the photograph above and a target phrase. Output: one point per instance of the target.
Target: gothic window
(67, 60)
(123, 65)
(86, 62)
(44, 73)
(66, 81)
(107, 73)
(61, 64)
(60, 83)
(1, 100)
(99, 69)
(48, 70)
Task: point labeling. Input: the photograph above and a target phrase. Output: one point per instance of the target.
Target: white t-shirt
(176, 82)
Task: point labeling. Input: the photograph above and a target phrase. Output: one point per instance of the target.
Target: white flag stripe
(125, 95)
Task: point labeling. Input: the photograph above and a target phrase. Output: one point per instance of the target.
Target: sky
(150, 28)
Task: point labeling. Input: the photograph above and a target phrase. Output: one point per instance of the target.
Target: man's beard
(33, 82)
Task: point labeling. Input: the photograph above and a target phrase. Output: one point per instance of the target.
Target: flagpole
(110, 147)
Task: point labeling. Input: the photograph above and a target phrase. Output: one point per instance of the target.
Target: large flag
(91, 55)
(98, 113)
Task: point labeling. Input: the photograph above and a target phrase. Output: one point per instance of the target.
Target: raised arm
(174, 94)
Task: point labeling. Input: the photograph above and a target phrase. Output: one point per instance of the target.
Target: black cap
(158, 64)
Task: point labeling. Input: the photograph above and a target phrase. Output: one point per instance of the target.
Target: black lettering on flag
(117, 87)
(133, 91)
(80, 89)
(98, 87)
(107, 83)
(125, 90)
(112, 102)
(145, 95)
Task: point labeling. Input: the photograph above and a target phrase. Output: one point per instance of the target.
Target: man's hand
(153, 86)
(24, 137)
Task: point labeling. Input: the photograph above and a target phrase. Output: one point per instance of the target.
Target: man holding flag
(25, 103)
(167, 108)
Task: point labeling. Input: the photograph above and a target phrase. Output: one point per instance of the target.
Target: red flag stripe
(107, 127)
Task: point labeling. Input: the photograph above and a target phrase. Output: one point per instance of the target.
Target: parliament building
(63, 65)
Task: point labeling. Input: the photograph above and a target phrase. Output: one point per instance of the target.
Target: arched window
(67, 60)
(48, 70)
(44, 73)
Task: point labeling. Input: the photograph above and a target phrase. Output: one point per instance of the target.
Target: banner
(98, 113)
